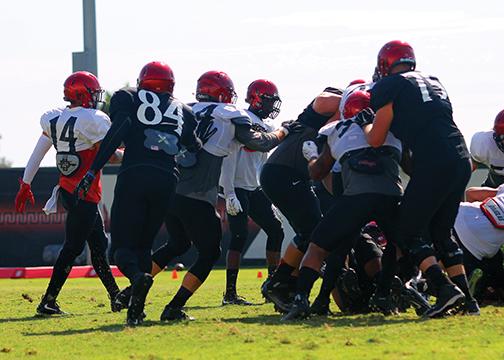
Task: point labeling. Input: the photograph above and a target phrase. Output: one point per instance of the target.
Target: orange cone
(259, 274)
(174, 274)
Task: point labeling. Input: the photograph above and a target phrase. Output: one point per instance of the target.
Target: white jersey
(221, 130)
(484, 150)
(345, 136)
(241, 168)
(350, 90)
(476, 231)
(75, 129)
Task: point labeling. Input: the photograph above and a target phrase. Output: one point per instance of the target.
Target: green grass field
(255, 332)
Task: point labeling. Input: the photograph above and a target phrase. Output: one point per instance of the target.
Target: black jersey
(151, 126)
(289, 153)
(423, 118)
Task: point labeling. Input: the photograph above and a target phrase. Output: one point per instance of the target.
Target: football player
(76, 132)
(153, 125)
(487, 147)
(244, 197)
(372, 189)
(285, 180)
(417, 110)
(191, 217)
(482, 237)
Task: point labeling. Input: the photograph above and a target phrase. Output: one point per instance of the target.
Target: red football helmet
(355, 102)
(357, 81)
(394, 53)
(498, 130)
(215, 86)
(156, 76)
(83, 89)
(262, 95)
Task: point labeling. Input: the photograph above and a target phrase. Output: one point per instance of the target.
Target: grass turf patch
(252, 332)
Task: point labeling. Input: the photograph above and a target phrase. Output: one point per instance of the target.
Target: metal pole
(87, 60)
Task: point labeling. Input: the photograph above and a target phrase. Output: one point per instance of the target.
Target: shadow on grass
(43, 317)
(317, 321)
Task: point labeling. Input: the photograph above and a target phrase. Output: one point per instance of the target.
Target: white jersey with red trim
(476, 231)
(484, 150)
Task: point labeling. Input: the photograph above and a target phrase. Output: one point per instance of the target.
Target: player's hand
(310, 150)
(233, 206)
(291, 127)
(364, 117)
(24, 194)
(84, 185)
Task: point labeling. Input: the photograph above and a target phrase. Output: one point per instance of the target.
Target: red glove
(23, 195)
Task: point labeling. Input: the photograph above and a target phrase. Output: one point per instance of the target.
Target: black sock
(180, 298)
(283, 273)
(231, 277)
(461, 282)
(271, 270)
(436, 276)
(306, 279)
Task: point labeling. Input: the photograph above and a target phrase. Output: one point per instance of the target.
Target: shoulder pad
(328, 129)
(48, 115)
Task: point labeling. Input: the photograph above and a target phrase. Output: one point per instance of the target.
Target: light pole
(87, 59)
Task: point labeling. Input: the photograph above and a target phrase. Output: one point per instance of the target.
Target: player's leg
(98, 243)
(334, 268)
(203, 226)
(238, 226)
(264, 214)
(80, 220)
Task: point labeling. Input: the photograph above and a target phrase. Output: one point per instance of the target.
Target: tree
(4, 163)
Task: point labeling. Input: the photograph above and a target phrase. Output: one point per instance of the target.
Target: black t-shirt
(155, 124)
(423, 118)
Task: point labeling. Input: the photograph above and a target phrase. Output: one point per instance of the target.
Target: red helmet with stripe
(215, 86)
(355, 102)
(262, 95)
(83, 89)
(394, 53)
(156, 76)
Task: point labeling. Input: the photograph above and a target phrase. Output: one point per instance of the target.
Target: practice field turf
(255, 332)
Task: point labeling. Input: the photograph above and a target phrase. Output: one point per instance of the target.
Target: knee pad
(418, 249)
(452, 258)
(168, 251)
(237, 242)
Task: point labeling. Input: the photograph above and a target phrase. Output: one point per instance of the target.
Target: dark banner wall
(34, 239)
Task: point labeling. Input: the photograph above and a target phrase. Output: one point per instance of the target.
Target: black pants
(83, 223)
(256, 205)
(294, 197)
(141, 199)
(190, 221)
(429, 208)
(325, 198)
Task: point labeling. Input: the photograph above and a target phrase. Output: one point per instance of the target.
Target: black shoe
(278, 294)
(300, 309)
(49, 308)
(471, 308)
(383, 304)
(348, 283)
(174, 314)
(139, 289)
(320, 306)
(449, 296)
(234, 299)
(121, 300)
(415, 299)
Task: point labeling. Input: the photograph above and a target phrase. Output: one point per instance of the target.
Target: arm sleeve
(254, 140)
(188, 136)
(42, 147)
(228, 172)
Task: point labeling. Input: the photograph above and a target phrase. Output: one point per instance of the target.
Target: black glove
(365, 117)
(291, 127)
(84, 185)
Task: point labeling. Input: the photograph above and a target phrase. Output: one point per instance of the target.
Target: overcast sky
(302, 46)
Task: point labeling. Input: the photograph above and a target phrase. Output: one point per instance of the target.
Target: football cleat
(173, 314)
(121, 300)
(139, 289)
(415, 299)
(320, 306)
(471, 308)
(300, 309)
(383, 304)
(49, 308)
(234, 299)
(449, 296)
(278, 294)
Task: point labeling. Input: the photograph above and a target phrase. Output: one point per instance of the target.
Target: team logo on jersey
(67, 163)
(159, 141)
(205, 129)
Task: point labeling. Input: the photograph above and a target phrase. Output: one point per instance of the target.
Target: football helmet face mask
(355, 102)
(83, 89)
(392, 54)
(498, 130)
(262, 95)
(215, 86)
(156, 76)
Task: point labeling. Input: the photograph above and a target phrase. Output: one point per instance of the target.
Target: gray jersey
(348, 146)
